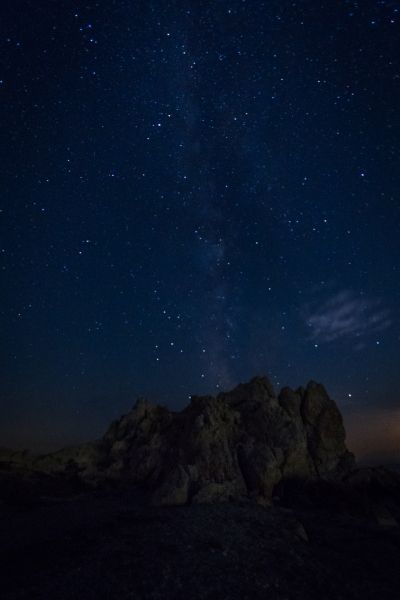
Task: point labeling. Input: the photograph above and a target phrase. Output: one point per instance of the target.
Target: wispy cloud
(346, 315)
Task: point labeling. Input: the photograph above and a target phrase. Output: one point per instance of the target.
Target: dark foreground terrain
(110, 544)
(247, 495)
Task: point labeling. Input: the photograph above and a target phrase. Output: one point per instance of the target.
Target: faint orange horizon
(374, 435)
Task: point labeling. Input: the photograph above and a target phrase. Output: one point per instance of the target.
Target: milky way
(193, 193)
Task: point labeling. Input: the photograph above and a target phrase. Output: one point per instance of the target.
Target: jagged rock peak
(243, 442)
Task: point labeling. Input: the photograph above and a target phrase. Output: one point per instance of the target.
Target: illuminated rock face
(240, 443)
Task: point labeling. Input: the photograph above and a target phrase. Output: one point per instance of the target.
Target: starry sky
(194, 192)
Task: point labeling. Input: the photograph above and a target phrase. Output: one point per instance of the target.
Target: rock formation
(239, 443)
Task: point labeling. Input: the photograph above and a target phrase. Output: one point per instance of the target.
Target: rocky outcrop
(239, 443)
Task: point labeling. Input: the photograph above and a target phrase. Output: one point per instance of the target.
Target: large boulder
(244, 442)
(239, 443)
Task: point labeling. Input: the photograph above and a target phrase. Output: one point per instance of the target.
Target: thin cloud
(346, 315)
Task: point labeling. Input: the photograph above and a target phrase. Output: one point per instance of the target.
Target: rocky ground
(110, 544)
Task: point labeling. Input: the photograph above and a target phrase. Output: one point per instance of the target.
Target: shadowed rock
(239, 443)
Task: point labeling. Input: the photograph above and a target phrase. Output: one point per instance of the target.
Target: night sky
(192, 193)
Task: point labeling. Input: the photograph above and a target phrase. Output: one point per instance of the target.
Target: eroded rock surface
(239, 443)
